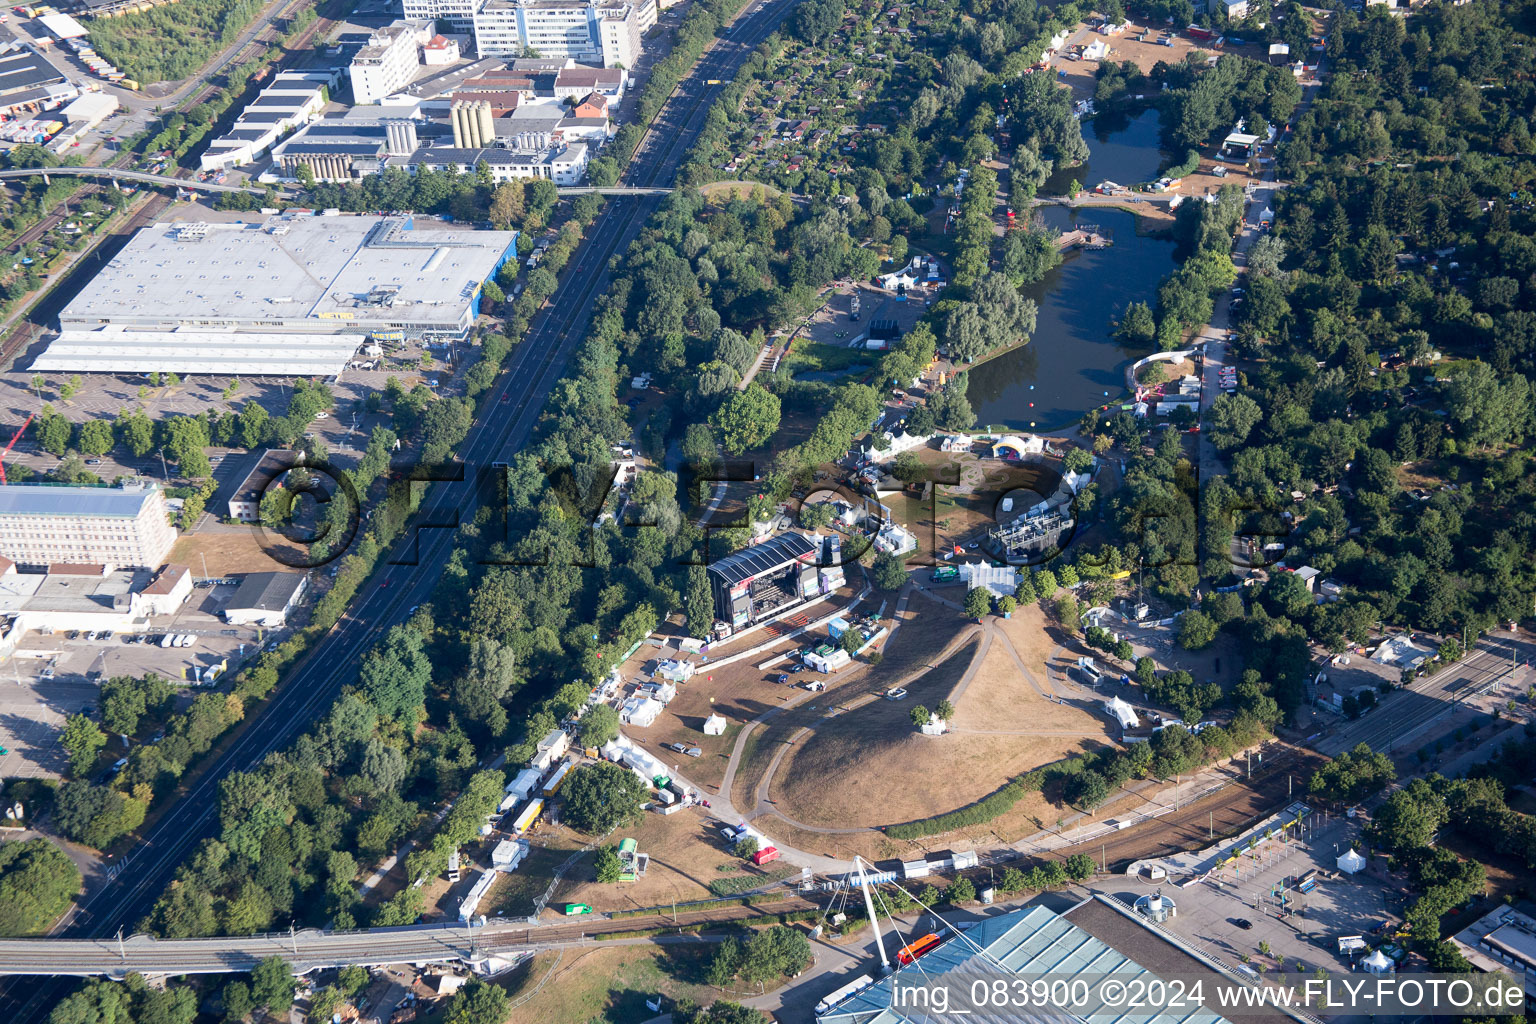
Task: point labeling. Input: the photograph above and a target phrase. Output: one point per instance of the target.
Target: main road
(505, 425)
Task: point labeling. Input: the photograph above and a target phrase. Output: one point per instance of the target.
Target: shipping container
(765, 855)
(529, 815)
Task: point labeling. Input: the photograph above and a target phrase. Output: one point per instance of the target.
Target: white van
(167, 640)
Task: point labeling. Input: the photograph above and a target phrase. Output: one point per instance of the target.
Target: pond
(1120, 149)
(1072, 359)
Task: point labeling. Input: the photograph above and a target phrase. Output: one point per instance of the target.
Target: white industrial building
(293, 98)
(389, 61)
(43, 524)
(606, 32)
(298, 295)
(266, 599)
(88, 597)
(566, 165)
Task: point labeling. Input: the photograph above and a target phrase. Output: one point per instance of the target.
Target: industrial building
(1503, 940)
(564, 166)
(296, 295)
(388, 62)
(757, 582)
(88, 597)
(44, 524)
(1091, 939)
(28, 83)
(265, 599)
(606, 32)
(293, 98)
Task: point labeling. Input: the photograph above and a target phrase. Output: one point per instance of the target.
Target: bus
(917, 948)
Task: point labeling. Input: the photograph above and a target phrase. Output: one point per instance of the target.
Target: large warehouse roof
(761, 558)
(1033, 940)
(346, 270)
(113, 350)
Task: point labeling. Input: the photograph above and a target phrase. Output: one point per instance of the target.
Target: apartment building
(458, 15)
(604, 32)
(44, 524)
(389, 62)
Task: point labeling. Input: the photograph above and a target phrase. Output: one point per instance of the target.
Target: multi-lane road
(511, 411)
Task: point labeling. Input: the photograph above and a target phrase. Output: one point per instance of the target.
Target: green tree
(1409, 819)
(82, 741)
(746, 848)
(701, 602)
(919, 716)
(889, 571)
(273, 985)
(978, 602)
(747, 418)
(945, 710)
(37, 884)
(600, 797)
(478, 1003)
(606, 864)
(95, 437)
(1233, 417)
(961, 890)
(1197, 630)
(1353, 775)
(599, 726)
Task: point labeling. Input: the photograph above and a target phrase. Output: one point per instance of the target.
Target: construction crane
(14, 438)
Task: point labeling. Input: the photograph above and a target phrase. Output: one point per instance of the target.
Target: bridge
(123, 174)
(615, 190)
(305, 951)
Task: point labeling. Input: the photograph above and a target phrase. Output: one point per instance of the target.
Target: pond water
(1120, 149)
(1072, 359)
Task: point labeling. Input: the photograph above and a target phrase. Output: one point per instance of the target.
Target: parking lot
(56, 675)
(1212, 914)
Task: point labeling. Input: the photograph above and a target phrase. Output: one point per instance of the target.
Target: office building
(457, 15)
(389, 61)
(43, 524)
(296, 295)
(604, 32)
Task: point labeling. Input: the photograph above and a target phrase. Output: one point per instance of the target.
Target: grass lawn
(806, 356)
(607, 986)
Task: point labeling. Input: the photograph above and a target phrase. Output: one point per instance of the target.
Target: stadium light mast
(869, 907)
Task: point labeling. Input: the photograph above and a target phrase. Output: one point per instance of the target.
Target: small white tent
(714, 725)
(1122, 712)
(1351, 862)
(1378, 963)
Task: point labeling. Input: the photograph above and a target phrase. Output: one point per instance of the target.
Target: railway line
(509, 415)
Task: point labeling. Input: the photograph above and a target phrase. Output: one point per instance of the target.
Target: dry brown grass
(685, 856)
(233, 551)
(607, 985)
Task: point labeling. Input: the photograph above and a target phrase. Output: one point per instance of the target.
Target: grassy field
(863, 767)
(607, 986)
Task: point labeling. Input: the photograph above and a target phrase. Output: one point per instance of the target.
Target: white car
(900, 693)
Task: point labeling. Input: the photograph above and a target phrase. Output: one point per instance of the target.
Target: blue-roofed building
(1032, 941)
(45, 524)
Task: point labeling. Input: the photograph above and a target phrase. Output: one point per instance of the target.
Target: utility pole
(1210, 828)
(120, 950)
(293, 937)
(165, 474)
(205, 564)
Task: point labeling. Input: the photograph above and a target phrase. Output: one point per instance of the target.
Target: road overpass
(123, 174)
(305, 951)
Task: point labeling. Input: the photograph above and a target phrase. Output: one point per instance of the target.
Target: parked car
(899, 693)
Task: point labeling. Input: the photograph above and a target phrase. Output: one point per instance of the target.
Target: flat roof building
(44, 524)
(90, 597)
(606, 32)
(265, 599)
(28, 81)
(297, 295)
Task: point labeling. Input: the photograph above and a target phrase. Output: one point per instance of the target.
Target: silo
(400, 137)
(457, 112)
(487, 126)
